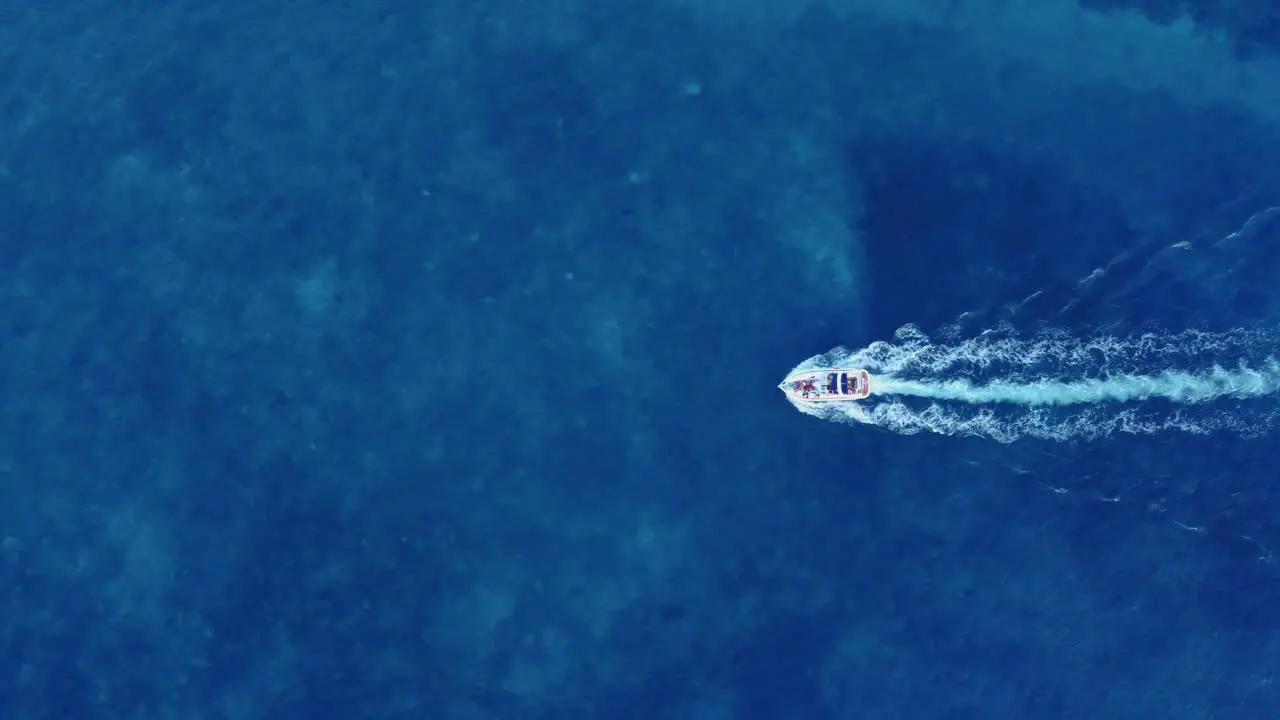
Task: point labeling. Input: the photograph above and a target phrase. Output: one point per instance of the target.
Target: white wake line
(1178, 387)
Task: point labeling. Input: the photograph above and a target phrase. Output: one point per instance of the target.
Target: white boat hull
(828, 385)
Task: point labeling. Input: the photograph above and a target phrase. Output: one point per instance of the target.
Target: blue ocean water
(419, 360)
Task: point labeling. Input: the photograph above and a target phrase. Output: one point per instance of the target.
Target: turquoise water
(420, 360)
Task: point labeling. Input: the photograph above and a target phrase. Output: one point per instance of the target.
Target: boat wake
(1060, 388)
(1050, 384)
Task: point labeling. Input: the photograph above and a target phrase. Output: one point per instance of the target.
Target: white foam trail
(1179, 387)
(1058, 387)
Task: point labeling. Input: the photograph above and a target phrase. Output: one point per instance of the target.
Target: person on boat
(805, 386)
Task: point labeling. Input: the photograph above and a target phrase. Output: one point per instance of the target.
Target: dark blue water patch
(539, 111)
(53, 644)
(1216, 280)
(1210, 494)
(1251, 28)
(591, 112)
(178, 106)
(1241, 592)
(298, 566)
(776, 672)
(954, 226)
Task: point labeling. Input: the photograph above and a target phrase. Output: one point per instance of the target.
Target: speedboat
(826, 385)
